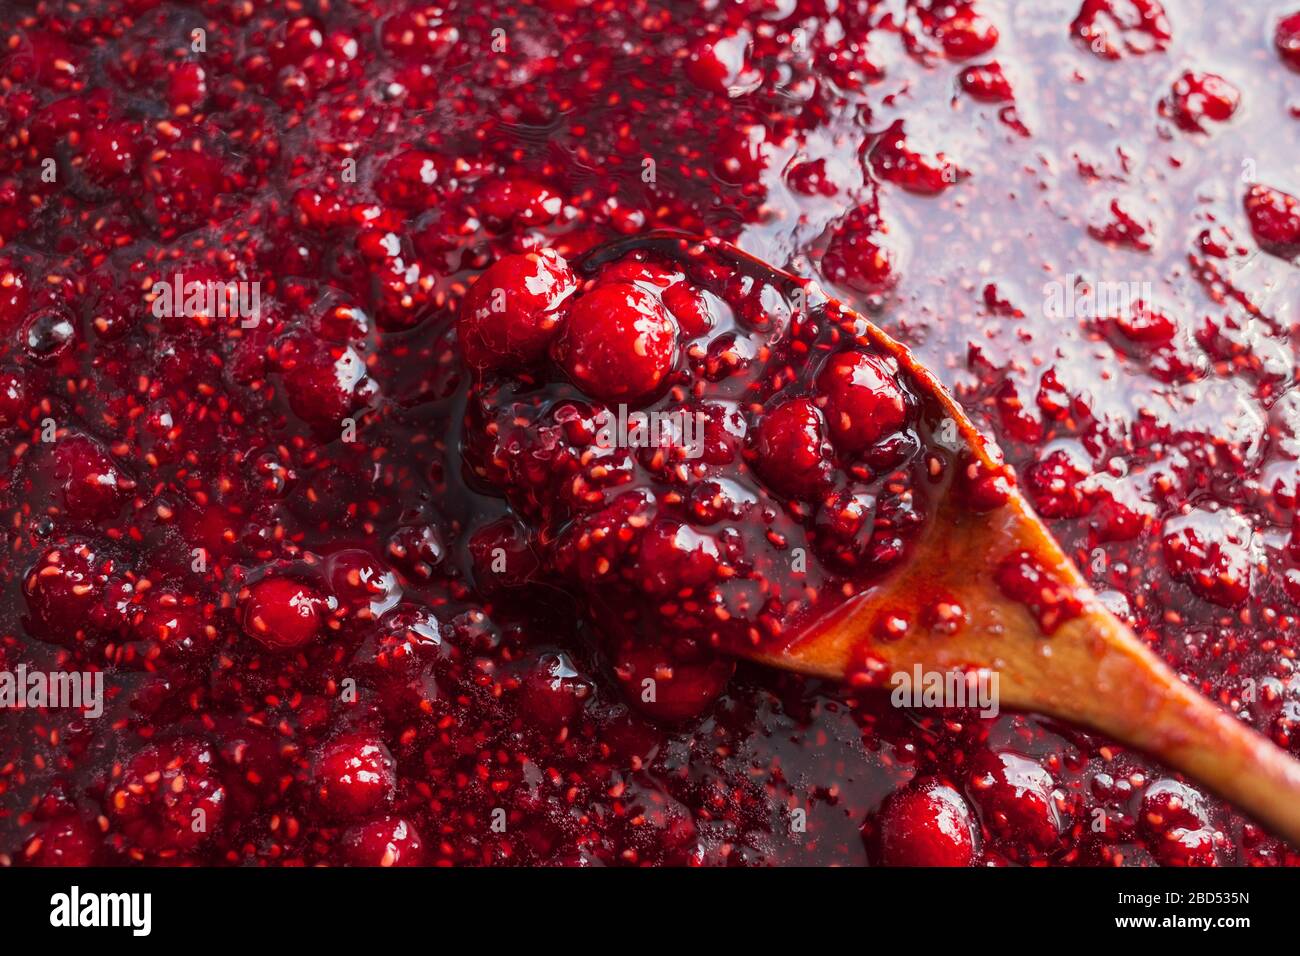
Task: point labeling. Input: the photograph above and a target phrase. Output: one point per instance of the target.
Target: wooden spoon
(1090, 670)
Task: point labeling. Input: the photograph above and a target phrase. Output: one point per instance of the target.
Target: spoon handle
(1103, 677)
(1090, 669)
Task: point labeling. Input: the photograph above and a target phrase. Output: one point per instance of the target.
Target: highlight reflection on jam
(361, 570)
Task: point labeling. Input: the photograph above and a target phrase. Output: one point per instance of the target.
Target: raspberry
(507, 203)
(169, 800)
(670, 686)
(553, 692)
(65, 841)
(1113, 28)
(1174, 819)
(325, 383)
(1274, 220)
(1018, 801)
(863, 400)
(91, 484)
(675, 558)
(793, 454)
(502, 555)
(384, 842)
(353, 775)
(408, 180)
(1287, 40)
(513, 310)
(926, 824)
(862, 254)
(14, 399)
(1022, 578)
(965, 35)
(619, 343)
(987, 83)
(281, 613)
(1055, 485)
(1197, 97)
(894, 160)
(67, 590)
(717, 64)
(1210, 551)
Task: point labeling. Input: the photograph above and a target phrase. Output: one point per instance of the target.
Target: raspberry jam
(408, 487)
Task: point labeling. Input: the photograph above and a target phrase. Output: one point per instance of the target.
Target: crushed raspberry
(1022, 578)
(987, 83)
(1198, 97)
(386, 562)
(1274, 219)
(1112, 29)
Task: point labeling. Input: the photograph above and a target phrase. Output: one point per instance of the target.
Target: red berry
(987, 83)
(1211, 552)
(863, 400)
(110, 152)
(1056, 485)
(926, 824)
(282, 613)
(1197, 97)
(965, 34)
(863, 254)
(502, 555)
(512, 311)
(1176, 824)
(13, 294)
(793, 453)
(1111, 28)
(1017, 798)
(66, 841)
(1287, 40)
(362, 582)
(14, 400)
(91, 484)
(325, 383)
(719, 63)
(666, 687)
(187, 87)
(182, 188)
(742, 152)
(517, 203)
(383, 842)
(553, 692)
(1021, 577)
(1274, 219)
(417, 550)
(619, 343)
(354, 775)
(894, 160)
(67, 588)
(169, 799)
(675, 558)
(407, 180)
